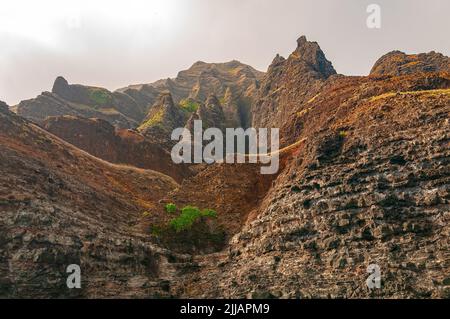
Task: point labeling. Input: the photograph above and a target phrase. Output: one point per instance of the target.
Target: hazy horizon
(113, 44)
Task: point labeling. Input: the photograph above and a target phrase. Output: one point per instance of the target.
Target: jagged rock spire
(311, 53)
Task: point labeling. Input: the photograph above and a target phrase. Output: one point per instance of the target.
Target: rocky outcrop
(368, 186)
(60, 206)
(163, 118)
(77, 100)
(398, 63)
(363, 180)
(4, 106)
(210, 113)
(120, 146)
(203, 79)
(233, 82)
(289, 83)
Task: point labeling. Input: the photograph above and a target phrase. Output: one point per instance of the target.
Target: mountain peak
(4, 106)
(399, 63)
(60, 85)
(198, 63)
(278, 59)
(311, 53)
(302, 41)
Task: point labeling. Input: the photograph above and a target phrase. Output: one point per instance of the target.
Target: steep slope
(364, 179)
(210, 113)
(399, 63)
(78, 100)
(61, 206)
(4, 106)
(120, 146)
(163, 118)
(370, 185)
(233, 82)
(290, 82)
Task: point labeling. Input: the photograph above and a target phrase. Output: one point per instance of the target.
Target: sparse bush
(189, 215)
(100, 97)
(171, 208)
(209, 213)
(189, 105)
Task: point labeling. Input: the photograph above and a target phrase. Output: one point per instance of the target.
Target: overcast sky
(114, 43)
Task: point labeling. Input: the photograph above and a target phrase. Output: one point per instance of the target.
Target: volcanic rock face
(163, 118)
(4, 106)
(368, 186)
(61, 206)
(233, 82)
(399, 63)
(289, 83)
(210, 113)
(372, 189)
(364, 179)
(78, 100)
(120, 146)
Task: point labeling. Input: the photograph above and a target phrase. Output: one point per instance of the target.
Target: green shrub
(189, 105)
(155, 120)
(209, 213)
(189, 215)
(171, 208)
(100, 97)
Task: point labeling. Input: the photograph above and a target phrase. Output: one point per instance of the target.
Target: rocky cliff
(84, 101)
(289, 83)
(370, 185)
(233, 83)
(364, 179)
(399, 63)
(61, 206)
(120, 146)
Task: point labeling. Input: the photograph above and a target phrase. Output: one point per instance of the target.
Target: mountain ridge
(367, 184)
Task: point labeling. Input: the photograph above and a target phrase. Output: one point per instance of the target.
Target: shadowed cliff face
(61, 206)
(368, 184)
(120, 146)
(233, 83)
(290, 82)
(84, 101)
(4, 106)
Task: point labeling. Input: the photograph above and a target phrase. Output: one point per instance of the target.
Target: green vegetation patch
(189, 105)
(100, 96)
(189, 215)
(171, 208)
(156, 119)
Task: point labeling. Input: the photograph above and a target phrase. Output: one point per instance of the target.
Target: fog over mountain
(115, 43)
